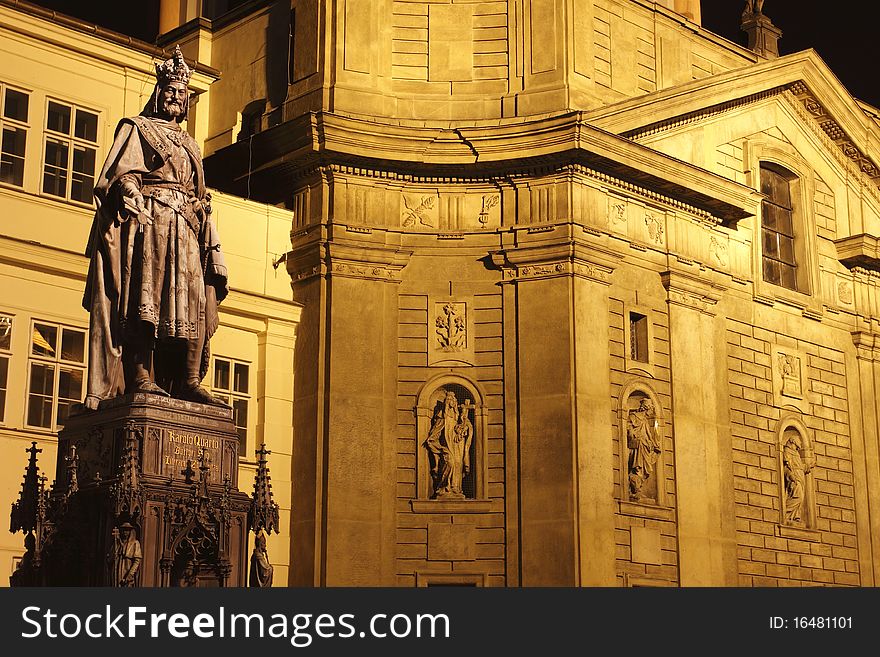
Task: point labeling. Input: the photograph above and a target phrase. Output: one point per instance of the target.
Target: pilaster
(345, 410)
(565, 487)
(698, 360)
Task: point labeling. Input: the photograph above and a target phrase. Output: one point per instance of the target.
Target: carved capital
(867, 345)
(685, 289)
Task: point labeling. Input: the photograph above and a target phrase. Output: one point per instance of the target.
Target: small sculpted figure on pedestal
(156, 274)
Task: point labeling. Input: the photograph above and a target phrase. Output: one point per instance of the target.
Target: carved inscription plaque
(180, 447)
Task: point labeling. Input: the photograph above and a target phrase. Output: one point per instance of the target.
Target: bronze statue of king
(156, 273)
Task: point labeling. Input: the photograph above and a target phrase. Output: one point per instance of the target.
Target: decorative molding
(451, 506)
(703, 113)
(686, 290)
(366, 271)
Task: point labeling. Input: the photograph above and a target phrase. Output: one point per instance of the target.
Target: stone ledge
(646, 510)
(799, 533)
(451, 506)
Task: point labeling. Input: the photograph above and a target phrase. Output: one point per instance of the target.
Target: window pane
(221, 374)
(775, 187)
(70, 386)
(44, 340)
(789, 277)
(771, 247)
(16, 105)
(240, 412)
(783, 218)
(39, 413)
(240, 382)
(768, 215)
(55, 172)
(5, 332)
(86, 126)
(239, 409)
(73, 345)
(82, 180)
(58, 118)
(4, 373)
(12, 157)
(771, 271)
(786, 249)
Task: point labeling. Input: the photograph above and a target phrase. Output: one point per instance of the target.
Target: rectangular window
(777, 230)
(638, 337)
(230, 383)
(57, 373)
(14, 128)
(5, 356)
(70, 152)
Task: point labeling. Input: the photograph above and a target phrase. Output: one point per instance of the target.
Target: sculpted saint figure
(448, 444)
(644, 447)
(127, 555)
(156, 273)
(753, 7)
(261, 569)
(795, 467)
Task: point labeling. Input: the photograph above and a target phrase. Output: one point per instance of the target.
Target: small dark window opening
(777, 228)
(252, 119)
(638, 337)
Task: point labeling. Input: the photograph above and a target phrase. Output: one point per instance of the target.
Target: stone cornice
(862, 251)
(691, 291)
(867, 345)
(283, 153)
(372, 258)
(562, 250)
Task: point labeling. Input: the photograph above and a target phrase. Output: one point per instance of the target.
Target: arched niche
(643, 458)
(451, 451)
(796, 462)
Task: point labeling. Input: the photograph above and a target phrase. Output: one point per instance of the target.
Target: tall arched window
(778, 245)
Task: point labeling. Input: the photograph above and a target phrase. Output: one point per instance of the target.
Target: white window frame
(4, 121)
(57, 363)
(244, 449)
(6, 354)
(72, 141)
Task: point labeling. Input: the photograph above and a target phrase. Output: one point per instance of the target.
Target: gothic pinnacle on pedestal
(25, 509)
(263, 514)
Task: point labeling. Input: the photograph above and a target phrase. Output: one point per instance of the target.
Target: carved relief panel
(790, 380)
(450, 331)
(452, 211)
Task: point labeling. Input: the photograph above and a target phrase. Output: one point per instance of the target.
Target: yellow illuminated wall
(42, 238)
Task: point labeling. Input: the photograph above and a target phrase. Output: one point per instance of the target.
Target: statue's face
(172, 100)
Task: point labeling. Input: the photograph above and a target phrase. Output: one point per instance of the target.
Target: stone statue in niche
(127, 556)
(644, 448)
(449, 447)
(796, 464)
(451, 327)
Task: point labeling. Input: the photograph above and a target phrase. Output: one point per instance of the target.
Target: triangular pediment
(851, 126)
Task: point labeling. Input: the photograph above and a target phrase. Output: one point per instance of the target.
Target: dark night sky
(842, 38)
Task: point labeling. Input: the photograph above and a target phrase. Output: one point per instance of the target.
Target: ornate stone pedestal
(165, 467)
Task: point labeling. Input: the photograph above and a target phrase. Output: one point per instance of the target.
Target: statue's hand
(131, 196)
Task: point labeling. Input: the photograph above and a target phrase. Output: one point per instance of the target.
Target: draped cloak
(170, 274)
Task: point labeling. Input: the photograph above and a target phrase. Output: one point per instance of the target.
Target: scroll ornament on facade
(449, 447)
(644, 448)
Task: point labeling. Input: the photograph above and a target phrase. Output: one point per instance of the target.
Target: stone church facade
(589, 295)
